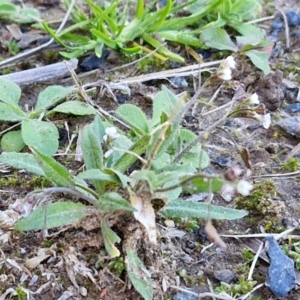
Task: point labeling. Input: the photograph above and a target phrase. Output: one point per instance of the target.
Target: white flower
(224, 74)
(264, 119)
(244, 187)
(227, 192)
(108, 153)
(254, 99)
(228, 63)
(111, 134)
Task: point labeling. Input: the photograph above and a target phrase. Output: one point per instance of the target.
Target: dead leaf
(145, 213)
(15, 31)
(213, 235)
(42, 254)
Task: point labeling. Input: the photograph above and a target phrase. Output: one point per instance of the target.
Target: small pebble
(293, 18)
(184, 296)
(121, 98)
(290, 125)
(223, 161)
(204, 52)
(281, 276)
(254, 127)
(94, 62)
(277, 25)
(225, 276)
(179, 82)
(293, 108)
(272, 38)
(277, 51)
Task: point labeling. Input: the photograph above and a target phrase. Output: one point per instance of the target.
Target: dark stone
(281, 276)
(94, 62)
(184, 296)
(223, 161)
(204, 52)
(225, 276)
(277, 25)
(290, 125)
(293, 18)
(121, 98)
(293, 108)
(179, 82)
(254, 127)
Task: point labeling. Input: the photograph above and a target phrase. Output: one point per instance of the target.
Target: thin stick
(198, 139)
(255, 261)
(252, 291)
(136, 61)
(287, 28)
(202, 295)
(41, 74)
(260, 20)
(43, 46)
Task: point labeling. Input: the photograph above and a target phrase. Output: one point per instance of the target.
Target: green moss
(36, 182)
(21, 294)
(260, 198)
(291, 165)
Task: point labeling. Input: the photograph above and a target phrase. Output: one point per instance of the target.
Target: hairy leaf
(75, 108)
(54, 170)
(260, 60)
(52, 215)
(217, 38)
(110, 238)
(51, 96)
(113, 201)
(41, 135)
(12, 141)
(9, 92)
(138, 275)
(134, 116)
(188, 209)
(23, 161)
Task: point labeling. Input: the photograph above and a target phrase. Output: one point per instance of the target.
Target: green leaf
(201, 185)
(123, 179)
(78, 108)
(91, 149)
(51, 96)
(113, 201)
(12, 141)
(188, 209)
(195, 154)
(146, 175)
(110, 238)
(7, 9)
(27, 15)
(246, 9)
(260, 60)
(138, 275)
(127, 159)
(134, 116)
(185, 38)
(9, 91)
(96, 174)
(217, 38)
(98, 128)
(54, 170)
(21, 161)
(251, 35)
(40, 134)
(52, 215)
(164, 102)
(11, 112)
